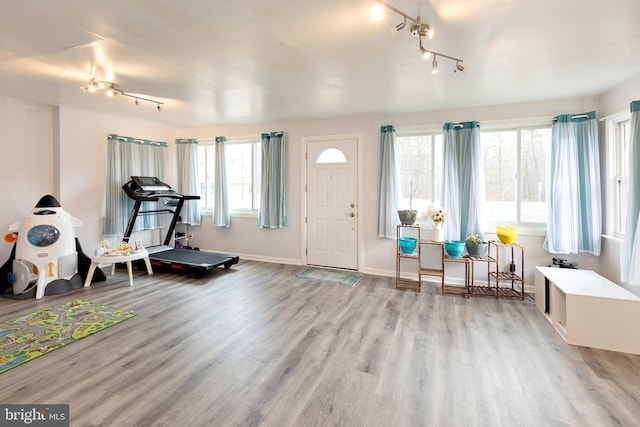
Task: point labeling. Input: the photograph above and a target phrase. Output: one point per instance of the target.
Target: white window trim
(611, 199)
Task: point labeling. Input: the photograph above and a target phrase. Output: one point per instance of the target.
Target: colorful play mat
(35, 334)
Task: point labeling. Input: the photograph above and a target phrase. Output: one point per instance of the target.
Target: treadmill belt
(193, 258)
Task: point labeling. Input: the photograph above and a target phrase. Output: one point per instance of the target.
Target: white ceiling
(250, 61)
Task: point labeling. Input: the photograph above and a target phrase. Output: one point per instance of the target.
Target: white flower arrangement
(437, 214)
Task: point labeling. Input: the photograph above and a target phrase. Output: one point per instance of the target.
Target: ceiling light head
(434, 65)
(377, 12)
(401, 25)
(425, 53)
(421, 30)
(459, 67)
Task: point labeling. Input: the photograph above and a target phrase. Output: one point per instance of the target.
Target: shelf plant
(408, 216)
(477, 247)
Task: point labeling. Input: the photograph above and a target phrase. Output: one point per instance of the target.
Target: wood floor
(254, 346)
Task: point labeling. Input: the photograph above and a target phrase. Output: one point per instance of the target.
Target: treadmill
(164, 257)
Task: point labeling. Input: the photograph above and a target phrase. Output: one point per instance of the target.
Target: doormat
(336, 277)
(33, 335)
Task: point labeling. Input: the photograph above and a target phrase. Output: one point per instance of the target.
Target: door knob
(351, 214)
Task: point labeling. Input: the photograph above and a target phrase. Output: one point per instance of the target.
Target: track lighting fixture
(421, 30)
(112, 90)
(418, 30)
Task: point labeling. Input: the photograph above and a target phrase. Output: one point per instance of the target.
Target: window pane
(622, 184)
(535, 144)
(622, 156)
(257, 177)
(624, 148)
(500, 161)
(415, 160)
(206, 162)
(331, 155)
(437, 171)
(239, 175)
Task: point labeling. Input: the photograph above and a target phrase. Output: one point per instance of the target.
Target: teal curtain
(574, 210)
(187, 158)
(462, 179)
(127, 157)
(389, 185)
(221, 212)
(630, 253)
(273, 207)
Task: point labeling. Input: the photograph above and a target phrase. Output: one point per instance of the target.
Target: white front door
(332, 203)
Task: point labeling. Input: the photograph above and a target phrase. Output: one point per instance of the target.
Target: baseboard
(272, 260)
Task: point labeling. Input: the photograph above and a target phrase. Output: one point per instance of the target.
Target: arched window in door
(331, 155)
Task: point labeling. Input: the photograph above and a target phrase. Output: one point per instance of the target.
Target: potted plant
(408, 216)
(476, 246)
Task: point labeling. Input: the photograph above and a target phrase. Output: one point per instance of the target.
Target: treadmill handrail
(156, 211)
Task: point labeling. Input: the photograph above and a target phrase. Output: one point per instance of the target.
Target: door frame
(359, 137)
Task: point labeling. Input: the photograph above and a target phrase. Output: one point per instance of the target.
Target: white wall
(83, 150)
(618, 98)
(26, 172)
(379, 254)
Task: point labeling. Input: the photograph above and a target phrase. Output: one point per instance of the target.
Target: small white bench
(589, 310)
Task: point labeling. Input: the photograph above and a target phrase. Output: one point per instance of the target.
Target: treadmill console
(148, 183)
(149, 189)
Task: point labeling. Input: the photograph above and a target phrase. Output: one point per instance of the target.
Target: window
(243, 174)
(514, 163)
(332, 155)
(621, 144)
(419, 162)
(206, 167)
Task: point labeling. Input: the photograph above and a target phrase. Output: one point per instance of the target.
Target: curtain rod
(577, 116)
